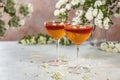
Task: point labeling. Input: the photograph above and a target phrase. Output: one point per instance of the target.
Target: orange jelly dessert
(78, 34)
(55, 29)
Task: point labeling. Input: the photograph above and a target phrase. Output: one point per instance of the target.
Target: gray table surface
(23, 62)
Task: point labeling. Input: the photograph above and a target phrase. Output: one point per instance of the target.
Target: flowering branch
(17, 12)
(88, 11)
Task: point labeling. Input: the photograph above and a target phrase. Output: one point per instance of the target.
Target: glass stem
(77, 53)
(57, 49)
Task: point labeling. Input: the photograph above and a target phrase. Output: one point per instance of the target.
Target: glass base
(56, 62)
(78, 69)
(96, 42)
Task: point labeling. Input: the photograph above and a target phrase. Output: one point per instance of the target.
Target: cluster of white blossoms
(96, 12)
(57, 75)
(111, 47)
(62, 7)
(17, 12)
(77, 20)
(42, 39)
(39, 39)
(26, 9)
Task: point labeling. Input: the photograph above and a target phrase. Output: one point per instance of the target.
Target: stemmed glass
(77, 34)
(55, 30)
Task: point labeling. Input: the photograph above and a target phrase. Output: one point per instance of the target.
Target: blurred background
(43, 11)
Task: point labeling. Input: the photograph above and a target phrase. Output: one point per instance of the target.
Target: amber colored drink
(55, 29)
(78, 34)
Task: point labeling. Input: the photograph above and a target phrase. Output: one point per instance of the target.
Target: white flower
(27, 41)
(85, 77)
(89, 15)
(100, 15)
(56, 12)
(22, 22)
(62, 10)
(119, 49)
(75, 2)
(115, 50)
(79, 13)
(50, 41)
(104, 2)
(106, 23)
(109, 49)
(82, 2)
(60, 3)
(42, 40)
(111, 45)
(117, 15)
(98, 3)
(30, 7)
(57, 76)
(95, 12)
(103, 46)
(117, 46)
(26, 9)
(68, 6)
(76, 20)
(23, 41)
(90, 9)
(14, 1)
(45, 65)
(98, 22)
(32, 40)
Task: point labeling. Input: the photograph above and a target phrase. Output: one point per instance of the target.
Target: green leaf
(84, 20)
(111, 22)
(88, 3)
(111, 13)
(104, 10)
(76, 6)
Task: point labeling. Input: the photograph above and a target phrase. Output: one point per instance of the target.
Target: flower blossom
(98, 3)
(88, 14)
(60, 3)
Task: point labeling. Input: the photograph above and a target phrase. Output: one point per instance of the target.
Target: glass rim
(55, 21)
(78, 25)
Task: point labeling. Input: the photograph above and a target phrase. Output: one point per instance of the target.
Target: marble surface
(23, 62)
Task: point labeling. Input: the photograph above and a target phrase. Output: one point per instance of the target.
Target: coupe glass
(77, 34)
(55, 30)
